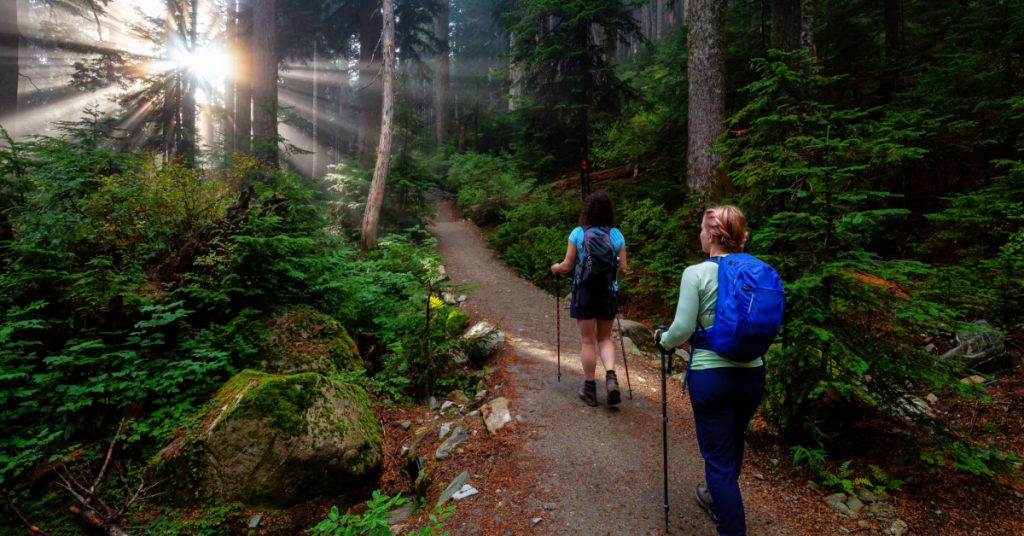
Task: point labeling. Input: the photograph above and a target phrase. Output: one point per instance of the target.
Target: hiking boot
(705, 501)
(588, 393)
(611, 384)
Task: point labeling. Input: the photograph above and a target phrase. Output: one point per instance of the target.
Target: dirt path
(598, 470)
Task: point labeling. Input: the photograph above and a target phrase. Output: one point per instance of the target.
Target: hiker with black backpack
(730, 309)
(596, 255)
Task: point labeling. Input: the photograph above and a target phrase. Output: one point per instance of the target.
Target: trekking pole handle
(657, 339)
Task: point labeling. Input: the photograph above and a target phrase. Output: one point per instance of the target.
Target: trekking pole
(665, 353)
(622, 344)
(558, 332)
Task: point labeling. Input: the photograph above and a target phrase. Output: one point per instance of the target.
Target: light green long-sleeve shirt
(698, 295)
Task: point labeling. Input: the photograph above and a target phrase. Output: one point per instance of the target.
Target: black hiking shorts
(588, 303)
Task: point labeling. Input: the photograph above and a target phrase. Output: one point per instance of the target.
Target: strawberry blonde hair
(728, 227)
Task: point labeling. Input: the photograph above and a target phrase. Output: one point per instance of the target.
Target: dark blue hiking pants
(724, 400)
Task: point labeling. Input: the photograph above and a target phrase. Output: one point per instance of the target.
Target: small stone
(866, 496)
(775, 461)
(461, 298)
(844, 530)
(432, 403)
(466, 491)
(931, 398)
(473, 413)
(548, 506)
(854, 504)
(455, 486)
(446, 405)
(838, 503)
(458, 436)
(254, 521)
(864, 525)
(535, 521)
(973, 379)
(404, 425)
(480, 394)
(445, 428)
(812, 485)
(898, 528)
(401, 513)
(757, 475)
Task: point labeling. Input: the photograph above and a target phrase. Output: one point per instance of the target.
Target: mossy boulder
(306, 340)
(275, 440)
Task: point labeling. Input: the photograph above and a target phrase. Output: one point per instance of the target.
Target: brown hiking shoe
(611, 384)
(588, 393)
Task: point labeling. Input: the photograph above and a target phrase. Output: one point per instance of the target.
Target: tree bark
(9, 36)
(441, 72)
(807, 18)
(375, 198)
(243, 82)
(188, 104)
(706, 120)
(369, 79)
(317, 156)
(264, 86)
(892, 46)
(786, 24)
(231, 33)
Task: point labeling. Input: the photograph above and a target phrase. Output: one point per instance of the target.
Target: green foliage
(481, 178)
(374, 521)
(814, 175)
(534, 233)
(207, 521)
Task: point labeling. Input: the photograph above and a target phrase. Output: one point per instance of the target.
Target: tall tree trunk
(515, 78)
(317, 157)
(892, 46)
(375, 198)
(231, 27)
(9, 36)
(369, 79)
(264, 86)
(441, 75)
(706, 94)
(807, 19)
(243, 83)
(188, 104)
(786, 24)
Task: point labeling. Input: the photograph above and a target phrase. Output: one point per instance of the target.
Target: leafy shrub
(481, 178)
(374, 521)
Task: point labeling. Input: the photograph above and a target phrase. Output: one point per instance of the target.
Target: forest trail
(600, 468)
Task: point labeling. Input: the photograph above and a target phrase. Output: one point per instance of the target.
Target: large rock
(638, 332)
(977, 345)
(484, 339)
(275, 440)
(306, 340)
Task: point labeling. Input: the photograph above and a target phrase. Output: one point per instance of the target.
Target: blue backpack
(748, 314)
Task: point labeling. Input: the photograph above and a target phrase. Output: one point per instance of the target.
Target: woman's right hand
(556, 268)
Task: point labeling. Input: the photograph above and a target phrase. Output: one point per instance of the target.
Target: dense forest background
(194, 188)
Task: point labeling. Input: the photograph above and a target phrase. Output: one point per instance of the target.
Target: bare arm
(568, 263)
(622, 262)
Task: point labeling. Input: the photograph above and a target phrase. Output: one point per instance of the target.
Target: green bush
(481, 178)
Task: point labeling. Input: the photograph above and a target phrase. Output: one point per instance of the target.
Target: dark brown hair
(597, 210)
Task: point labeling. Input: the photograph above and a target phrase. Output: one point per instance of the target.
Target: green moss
(283, 400)
(457, 323)
(308, 340)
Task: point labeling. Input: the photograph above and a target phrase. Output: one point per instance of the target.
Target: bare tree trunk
(441, 73)
(317, 157)
(369, 79)
(807, 19)
(264, 86)
(231, 29)
(9, 37)
(243, 84)
(893, 23)
(375, 198)
(706, 94)
(786, 24)
(188, 104)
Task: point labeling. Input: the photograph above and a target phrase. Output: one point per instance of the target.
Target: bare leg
(588, 337)
(605, 345)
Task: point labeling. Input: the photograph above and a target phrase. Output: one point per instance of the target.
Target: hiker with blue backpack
(596, 255)
(730, 309)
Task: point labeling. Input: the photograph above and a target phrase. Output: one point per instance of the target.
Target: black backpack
(599, 262)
